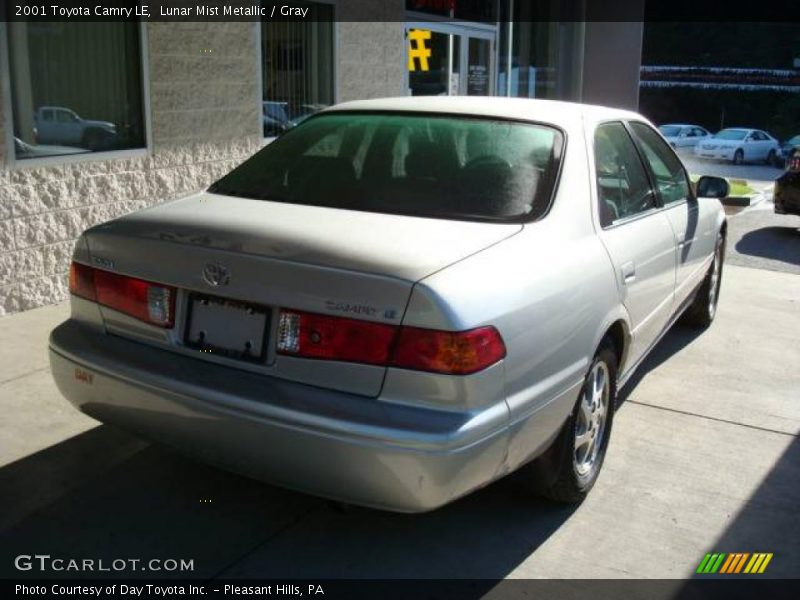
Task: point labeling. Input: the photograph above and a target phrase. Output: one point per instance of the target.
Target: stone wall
(371, 52)
(205, 119)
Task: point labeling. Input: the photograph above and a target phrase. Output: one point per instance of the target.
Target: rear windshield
(407, 163)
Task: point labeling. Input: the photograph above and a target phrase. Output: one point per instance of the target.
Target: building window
(297, 68)
(76, 88)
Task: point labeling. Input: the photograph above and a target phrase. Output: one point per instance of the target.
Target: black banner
(729, 588)
(783, 11)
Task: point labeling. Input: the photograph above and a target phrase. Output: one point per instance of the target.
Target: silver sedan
(399, 301)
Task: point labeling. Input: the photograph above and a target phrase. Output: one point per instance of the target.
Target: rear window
(407, 163)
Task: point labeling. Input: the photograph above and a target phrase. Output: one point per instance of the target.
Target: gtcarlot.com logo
(733, 563)
(45, 562)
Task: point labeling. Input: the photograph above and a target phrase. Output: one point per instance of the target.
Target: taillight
(144, 300)
(794, 163)
(335, 338)
(310, 335)
(459, 353)
(81, 281)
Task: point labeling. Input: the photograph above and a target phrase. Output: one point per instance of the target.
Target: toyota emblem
(216, 275)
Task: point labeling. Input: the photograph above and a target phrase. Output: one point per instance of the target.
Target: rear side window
(623, 189)
(407, 163)
(670, 177)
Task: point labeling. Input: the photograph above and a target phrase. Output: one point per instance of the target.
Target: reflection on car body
(522, 257)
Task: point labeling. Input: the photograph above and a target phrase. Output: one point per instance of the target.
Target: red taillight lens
(81, 281)
(311, 335)
(319, 336)
(144, 300)
(458, 353)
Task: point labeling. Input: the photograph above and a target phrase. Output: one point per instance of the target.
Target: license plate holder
(228, 328)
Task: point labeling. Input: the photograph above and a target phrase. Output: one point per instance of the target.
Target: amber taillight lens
(310, 335)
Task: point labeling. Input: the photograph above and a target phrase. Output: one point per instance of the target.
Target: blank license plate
(227, 327)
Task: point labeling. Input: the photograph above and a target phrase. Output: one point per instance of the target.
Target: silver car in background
(680, 135)
(399, 301)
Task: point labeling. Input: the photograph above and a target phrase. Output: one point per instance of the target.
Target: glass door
(434, 62)
(449, 60)
(478, 69)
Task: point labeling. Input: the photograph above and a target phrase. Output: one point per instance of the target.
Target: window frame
(11, 160)
(653, 192)
(260, 75)
(649, 169)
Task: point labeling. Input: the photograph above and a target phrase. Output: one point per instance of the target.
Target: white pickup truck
(62, 126)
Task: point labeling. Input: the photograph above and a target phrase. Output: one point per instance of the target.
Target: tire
(92, 140)
(771, 159)
(570, 466)
(703, 309)
(738, 157)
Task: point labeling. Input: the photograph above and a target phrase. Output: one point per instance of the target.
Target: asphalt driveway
(704, 457)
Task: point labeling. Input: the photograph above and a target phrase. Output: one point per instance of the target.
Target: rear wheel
(703, 309)
(738, 157)
(570, 467)
(771, 158)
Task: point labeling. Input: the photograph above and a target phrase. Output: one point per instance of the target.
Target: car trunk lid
(324, 260)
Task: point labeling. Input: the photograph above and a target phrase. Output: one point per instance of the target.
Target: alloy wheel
(590, 425)
(713, 287)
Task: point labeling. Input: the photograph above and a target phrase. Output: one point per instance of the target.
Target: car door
(692, 225)
(636, 234)
(756, 146)
(687, 137)
(69, 128)
(45, 126)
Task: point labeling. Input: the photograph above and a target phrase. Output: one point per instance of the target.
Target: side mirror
(712, 187)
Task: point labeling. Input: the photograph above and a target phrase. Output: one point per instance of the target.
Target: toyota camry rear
(311, 319)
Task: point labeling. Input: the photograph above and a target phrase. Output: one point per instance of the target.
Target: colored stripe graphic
(711, 563)
(733, 563)
(759, 562)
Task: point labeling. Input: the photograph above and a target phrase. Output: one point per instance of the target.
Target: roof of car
(543, 111)
(678, 125)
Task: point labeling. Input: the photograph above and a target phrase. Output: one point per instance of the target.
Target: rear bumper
(342, 446)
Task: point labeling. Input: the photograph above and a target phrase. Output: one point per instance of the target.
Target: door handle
(628, 272)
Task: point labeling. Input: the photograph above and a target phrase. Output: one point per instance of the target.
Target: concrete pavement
(704, 456)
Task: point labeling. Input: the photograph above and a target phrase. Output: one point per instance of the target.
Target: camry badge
(216, 275)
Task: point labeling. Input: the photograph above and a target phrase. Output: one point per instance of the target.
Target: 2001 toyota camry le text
(399, 301)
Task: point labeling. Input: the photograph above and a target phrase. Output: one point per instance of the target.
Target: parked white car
(681, 135)
(740, 146)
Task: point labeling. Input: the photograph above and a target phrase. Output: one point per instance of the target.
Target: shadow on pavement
(769, 521)
(776, 243)
(675, 340)
(104, 494)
